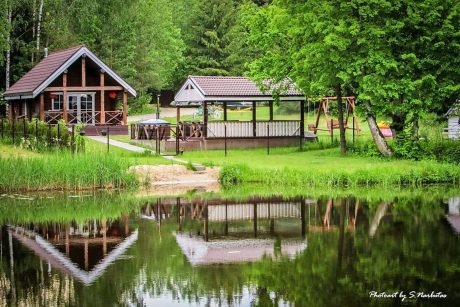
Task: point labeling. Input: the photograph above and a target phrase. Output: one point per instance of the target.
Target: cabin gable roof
(48, 69)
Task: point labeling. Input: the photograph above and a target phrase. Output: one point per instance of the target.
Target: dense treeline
(153, 44)
(400, 58)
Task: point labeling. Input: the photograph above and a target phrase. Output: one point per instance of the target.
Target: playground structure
(333, 123)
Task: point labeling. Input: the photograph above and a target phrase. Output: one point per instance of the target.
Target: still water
(208, 250)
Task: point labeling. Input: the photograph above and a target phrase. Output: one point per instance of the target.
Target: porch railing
(85, 117)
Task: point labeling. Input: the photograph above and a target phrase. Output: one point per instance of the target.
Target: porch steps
(113, 130)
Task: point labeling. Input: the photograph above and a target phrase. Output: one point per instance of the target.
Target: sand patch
(177, 178)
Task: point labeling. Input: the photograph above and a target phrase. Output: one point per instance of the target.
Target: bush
(140, 105)
(39, 136)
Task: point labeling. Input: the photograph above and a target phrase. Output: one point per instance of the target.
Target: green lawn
(323, 167)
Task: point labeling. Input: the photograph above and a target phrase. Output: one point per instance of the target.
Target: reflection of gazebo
(61, 261)
(200, 252)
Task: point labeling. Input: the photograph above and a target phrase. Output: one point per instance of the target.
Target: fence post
(14, 129)
(225, 138)
(49, 135)
(177, 139)
(332, 131)
(36, 129)
(353, 130)
(157, 140)
(24, 130)
(268, 139)
(2, 128)
(72, 140)
(58, 134)
(300, 139)
(108, 139)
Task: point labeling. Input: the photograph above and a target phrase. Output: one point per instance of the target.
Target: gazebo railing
(285, 128)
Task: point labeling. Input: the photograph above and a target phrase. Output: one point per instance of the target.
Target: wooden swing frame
(332, 123)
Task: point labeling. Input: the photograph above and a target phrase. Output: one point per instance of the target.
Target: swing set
(334, 123)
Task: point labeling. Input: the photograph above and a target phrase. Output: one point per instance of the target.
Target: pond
(232, 248)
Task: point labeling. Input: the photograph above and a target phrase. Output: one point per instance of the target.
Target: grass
(24, 170)
(326, 167)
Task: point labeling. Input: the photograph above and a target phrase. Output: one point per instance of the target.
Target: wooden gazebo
(221, 92)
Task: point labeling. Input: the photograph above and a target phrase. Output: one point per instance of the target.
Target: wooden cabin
(453, 128)
(75, 86)
(213, 94)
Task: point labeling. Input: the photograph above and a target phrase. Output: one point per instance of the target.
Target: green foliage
(401, 56)
(39, 136)
(140, 105)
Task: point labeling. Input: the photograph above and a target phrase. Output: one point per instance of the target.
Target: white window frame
(52, 101)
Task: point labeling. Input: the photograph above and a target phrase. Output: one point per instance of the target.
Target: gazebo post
(254, 118)
(11, 110)
(205, 118)
(177, 114)
(64, 96)
(102, 84)
(125, 108)
(225, 111)
(302, 119)
(270, 106)
(42, 107)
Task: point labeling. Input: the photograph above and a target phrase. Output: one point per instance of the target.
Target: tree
(399, 57)
(207, 52)
(308, 42)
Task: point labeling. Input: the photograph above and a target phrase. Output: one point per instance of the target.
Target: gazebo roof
(215, 88)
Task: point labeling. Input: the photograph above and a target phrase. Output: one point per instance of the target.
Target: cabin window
(56, 102)
(189, 87)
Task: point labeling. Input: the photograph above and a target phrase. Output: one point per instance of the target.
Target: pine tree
(207, 51)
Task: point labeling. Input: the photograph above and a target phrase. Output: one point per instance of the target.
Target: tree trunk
(8, 57)
(34, 27)
(343, 140)
(40, 13)
(8, 49)
(377, 135)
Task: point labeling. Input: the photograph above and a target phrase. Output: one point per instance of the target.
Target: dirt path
(176, 178)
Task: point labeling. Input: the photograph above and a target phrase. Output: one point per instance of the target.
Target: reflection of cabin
(84, 252)
(75, 86)
(453, 128)
(453, 216)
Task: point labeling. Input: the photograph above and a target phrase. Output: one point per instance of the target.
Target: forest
(400, 58)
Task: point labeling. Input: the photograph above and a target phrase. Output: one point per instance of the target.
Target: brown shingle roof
(42, 71)
(234, 86)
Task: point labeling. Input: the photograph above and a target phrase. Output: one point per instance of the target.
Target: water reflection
(256, 251)
(81, 250)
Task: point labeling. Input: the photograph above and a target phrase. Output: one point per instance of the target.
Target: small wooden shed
(453, 128)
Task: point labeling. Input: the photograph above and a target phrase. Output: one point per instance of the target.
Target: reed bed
(64, 171)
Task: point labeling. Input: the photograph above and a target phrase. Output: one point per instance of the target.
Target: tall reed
(64, 171)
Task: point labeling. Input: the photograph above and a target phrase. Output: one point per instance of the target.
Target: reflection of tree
(412, 250)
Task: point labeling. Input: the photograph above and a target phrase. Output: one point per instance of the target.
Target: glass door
(87, 108)
(81, 108)
(72, 109)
